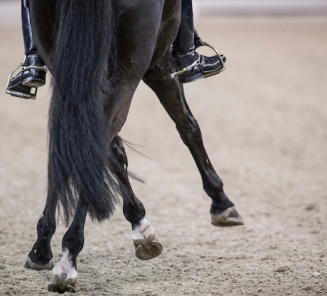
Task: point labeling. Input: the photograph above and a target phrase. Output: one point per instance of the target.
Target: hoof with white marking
(229, 217)
(146, 243)
(64, 275)
(30, 264)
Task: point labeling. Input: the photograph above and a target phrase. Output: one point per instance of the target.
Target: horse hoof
(61, 284)
(147, 248)
(229, 217)
(32, 265)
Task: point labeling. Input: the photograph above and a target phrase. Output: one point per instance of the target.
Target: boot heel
(35, 76)
(33, 82)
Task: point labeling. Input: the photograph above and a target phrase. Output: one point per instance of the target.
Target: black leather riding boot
(184, 53)
(33, 72)
(33, 77)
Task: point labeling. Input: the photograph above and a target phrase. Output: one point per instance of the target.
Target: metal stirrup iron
(31, 95)
(197, 62)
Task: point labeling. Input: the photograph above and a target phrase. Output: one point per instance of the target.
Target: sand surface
(264, 124)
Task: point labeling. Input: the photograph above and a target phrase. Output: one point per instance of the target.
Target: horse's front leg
(64, 274)
(145, 240)
(40, 257)
(171, 95)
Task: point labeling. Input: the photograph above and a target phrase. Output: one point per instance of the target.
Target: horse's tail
(79, 152)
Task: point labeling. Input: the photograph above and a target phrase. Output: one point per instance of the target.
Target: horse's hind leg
(64, 274)
(171, 95)
(40, 257)
(145, 240)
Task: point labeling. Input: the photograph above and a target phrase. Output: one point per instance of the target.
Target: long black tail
(79, 151)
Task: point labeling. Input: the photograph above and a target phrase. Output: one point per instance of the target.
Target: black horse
(97, 52)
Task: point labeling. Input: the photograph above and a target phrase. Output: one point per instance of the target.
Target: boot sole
(33, 82)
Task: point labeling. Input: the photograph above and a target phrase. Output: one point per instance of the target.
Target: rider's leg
(184, 53)
(32, 74)
(32, 77)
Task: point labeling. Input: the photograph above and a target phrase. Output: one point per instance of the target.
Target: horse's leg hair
(171, 95)
(145, 240)
(64, 273)
(40, 257)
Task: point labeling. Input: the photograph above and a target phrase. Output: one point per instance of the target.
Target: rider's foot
(32, 75)
(203, 66)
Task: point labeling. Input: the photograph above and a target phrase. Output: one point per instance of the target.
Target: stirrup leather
(197, 62)
(32, 90)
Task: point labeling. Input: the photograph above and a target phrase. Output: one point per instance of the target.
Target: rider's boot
(33, 71)
(187, 40)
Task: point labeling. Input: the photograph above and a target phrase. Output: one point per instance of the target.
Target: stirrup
(197, 62)
(32, 91)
